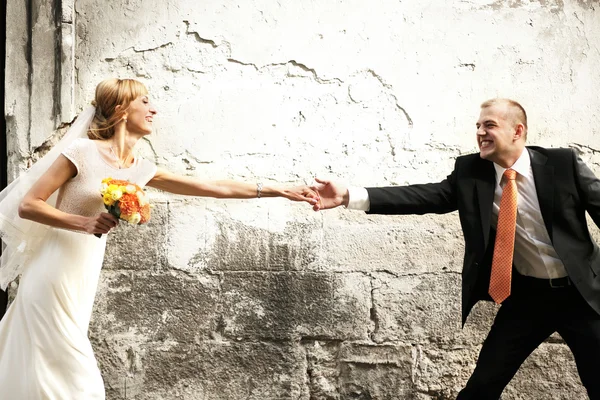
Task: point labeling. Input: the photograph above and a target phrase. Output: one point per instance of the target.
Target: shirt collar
(522, 166)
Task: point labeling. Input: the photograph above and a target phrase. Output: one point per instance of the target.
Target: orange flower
(145, 212)
(129, 204)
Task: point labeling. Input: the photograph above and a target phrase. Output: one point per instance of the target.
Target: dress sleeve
(75, 152)
(147, 171)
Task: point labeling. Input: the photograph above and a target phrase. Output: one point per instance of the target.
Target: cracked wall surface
(265, 299)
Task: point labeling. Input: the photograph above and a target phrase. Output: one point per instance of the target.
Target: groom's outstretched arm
(436, 198)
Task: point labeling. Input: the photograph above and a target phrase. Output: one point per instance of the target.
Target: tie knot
(510, 174)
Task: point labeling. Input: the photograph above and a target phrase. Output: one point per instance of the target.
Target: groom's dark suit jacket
(566, 189)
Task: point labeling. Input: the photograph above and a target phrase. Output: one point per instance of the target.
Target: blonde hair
(111, 93)
(517, 112)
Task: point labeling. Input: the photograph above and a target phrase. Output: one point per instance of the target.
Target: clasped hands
(322, 194)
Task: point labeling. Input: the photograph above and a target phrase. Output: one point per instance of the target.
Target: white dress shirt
(534, 254)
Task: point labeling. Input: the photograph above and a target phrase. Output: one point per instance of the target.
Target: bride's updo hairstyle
(109, 94)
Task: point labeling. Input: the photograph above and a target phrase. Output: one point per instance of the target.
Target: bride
(48, 219)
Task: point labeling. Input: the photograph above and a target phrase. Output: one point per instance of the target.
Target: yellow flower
(116, 194)
(103, 188)
(107, 198)
(135, 218)
(106, 180)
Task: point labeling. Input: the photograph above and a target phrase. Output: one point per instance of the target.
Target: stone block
(241, 235)
(144, 247)
(371, 371)
(425, 309)
(398, 244)
(212, 370)
(169, 306)
(119, 358)
(241, 247)
(323, 368)
(440, 372)
(292, 305)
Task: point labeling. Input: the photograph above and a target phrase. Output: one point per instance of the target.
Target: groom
(527, 244)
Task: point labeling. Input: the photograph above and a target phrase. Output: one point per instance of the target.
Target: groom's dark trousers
(536, 308)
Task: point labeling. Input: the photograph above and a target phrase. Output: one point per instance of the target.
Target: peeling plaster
(198, 37)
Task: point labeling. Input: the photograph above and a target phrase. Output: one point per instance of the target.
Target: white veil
(20, 237)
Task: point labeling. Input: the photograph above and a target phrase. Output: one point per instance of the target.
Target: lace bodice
(81, 194)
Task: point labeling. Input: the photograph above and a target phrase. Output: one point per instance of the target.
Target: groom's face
(497, 137)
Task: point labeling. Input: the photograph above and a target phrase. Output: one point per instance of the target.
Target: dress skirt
(45, 353)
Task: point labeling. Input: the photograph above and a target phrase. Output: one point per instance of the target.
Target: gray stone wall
(264, 299)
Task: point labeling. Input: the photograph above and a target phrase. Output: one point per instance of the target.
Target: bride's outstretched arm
(35, 208)
(228, 189)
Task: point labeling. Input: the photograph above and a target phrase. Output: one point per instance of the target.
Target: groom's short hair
(517, 112)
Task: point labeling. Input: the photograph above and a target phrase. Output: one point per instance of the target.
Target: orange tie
(505, 240)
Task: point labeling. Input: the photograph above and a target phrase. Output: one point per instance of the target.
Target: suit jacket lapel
(543, 175)
(486, 182)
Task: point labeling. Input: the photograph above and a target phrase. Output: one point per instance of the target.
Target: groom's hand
(331, 194)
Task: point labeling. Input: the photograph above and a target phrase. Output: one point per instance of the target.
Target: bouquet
(125, 200)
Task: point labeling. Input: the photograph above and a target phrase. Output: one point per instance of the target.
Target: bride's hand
(301, 193)
(101, 223)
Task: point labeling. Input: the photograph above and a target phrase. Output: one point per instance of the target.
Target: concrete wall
(264, 299)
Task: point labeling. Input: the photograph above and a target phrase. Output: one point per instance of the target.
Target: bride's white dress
(44, 349)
